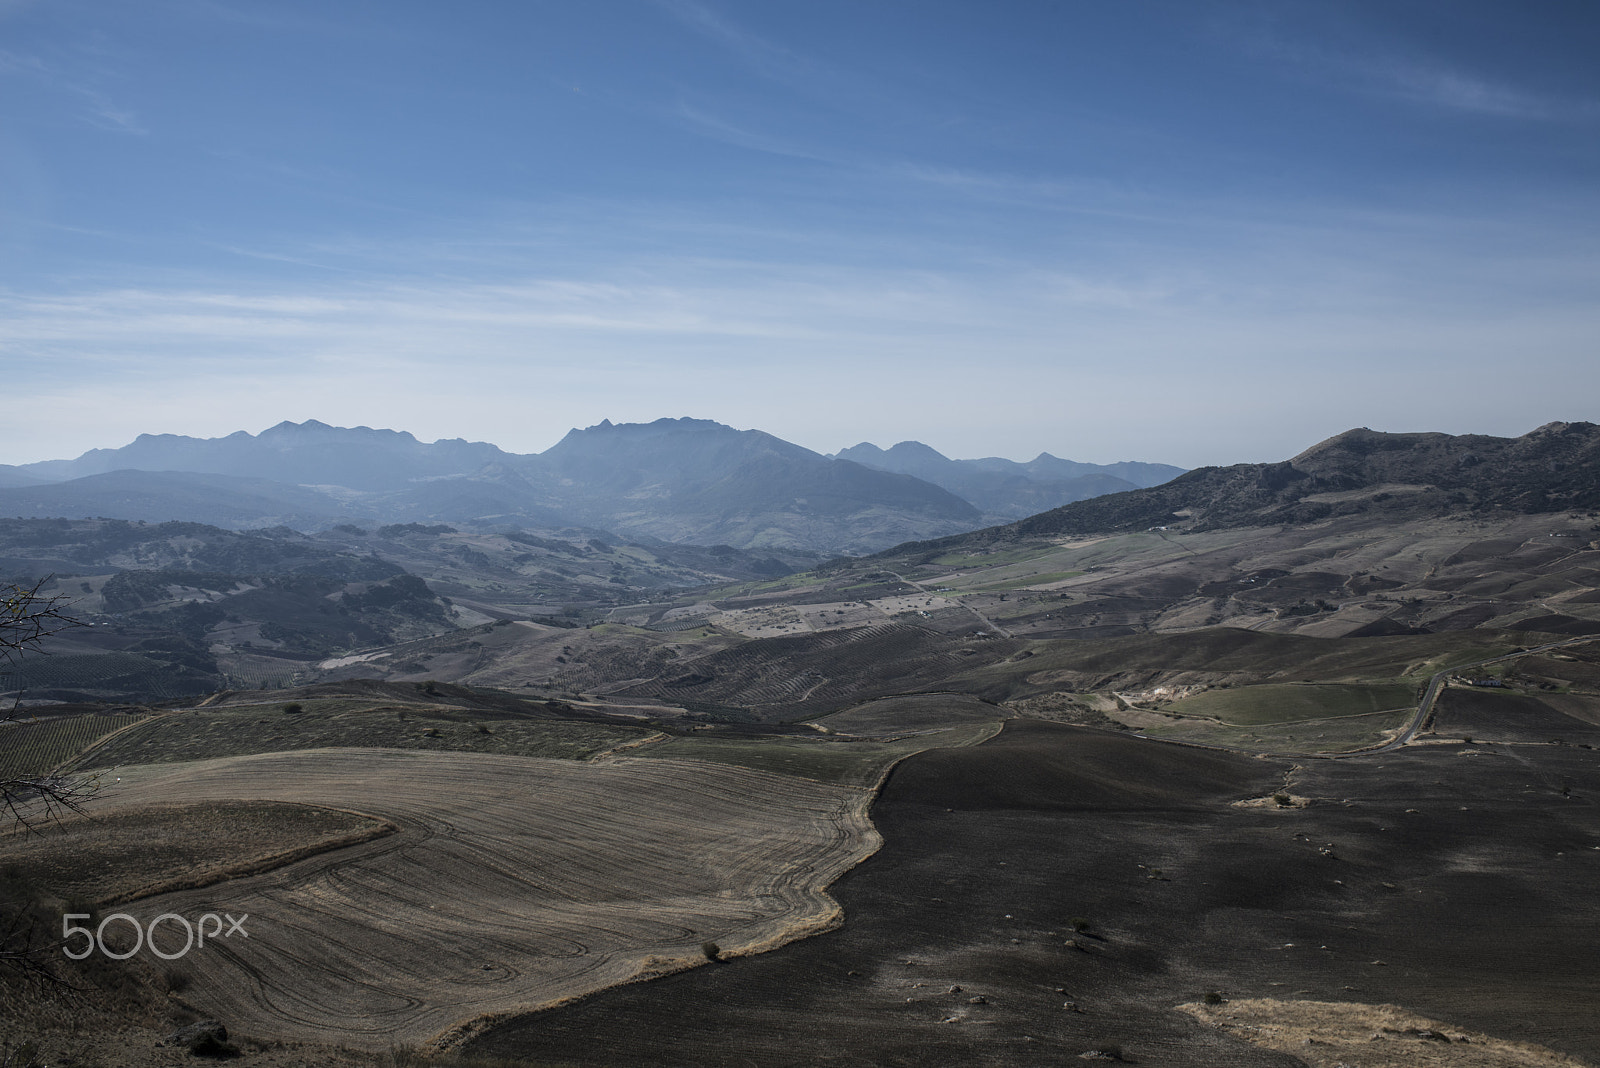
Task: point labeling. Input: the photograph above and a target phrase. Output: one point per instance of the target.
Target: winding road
(1437, 683)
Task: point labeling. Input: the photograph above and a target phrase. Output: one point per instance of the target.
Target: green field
(1292, 702)
(854, 763)
(236, 730)
(1304, 736)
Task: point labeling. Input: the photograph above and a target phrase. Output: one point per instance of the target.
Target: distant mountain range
(1006, 488)
(673, 480)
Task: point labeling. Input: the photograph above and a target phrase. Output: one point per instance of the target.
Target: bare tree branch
(28, 617)
(29, 799)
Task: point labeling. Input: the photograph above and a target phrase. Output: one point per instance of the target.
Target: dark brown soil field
(1502, 716)
(1058, 866)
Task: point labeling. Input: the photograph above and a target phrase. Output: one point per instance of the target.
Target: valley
(1319, 744)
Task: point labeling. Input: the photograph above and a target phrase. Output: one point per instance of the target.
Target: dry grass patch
(513, 883)
(1327, 1034)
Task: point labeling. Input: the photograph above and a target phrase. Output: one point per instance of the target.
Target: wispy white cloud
(828, 355)
(759, 54)
(814, 93)
(1361, 61)
(1433, 83)
(98, 108)
(719, 129)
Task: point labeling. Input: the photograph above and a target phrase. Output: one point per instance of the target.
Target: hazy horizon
(1156, 231)
(430, 441)
(826, 451)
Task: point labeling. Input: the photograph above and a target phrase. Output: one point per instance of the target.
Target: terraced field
(512, 883)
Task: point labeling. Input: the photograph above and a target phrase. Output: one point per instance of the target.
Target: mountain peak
(916, 449)
(665, 424)
(289, 427)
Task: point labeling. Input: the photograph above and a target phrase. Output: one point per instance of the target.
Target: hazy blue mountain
(309, 453)
(678, 480)
(1006, 488)
(15, 476)
(696, 480)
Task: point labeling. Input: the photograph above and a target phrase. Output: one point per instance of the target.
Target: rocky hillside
(1554, 468)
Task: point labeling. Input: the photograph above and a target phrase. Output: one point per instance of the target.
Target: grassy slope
(1278, 703)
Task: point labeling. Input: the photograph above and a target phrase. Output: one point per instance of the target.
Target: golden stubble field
(512, 883)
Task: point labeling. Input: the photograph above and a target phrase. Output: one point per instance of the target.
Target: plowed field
(512, 883)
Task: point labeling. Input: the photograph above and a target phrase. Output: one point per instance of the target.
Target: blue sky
(1171, 231)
